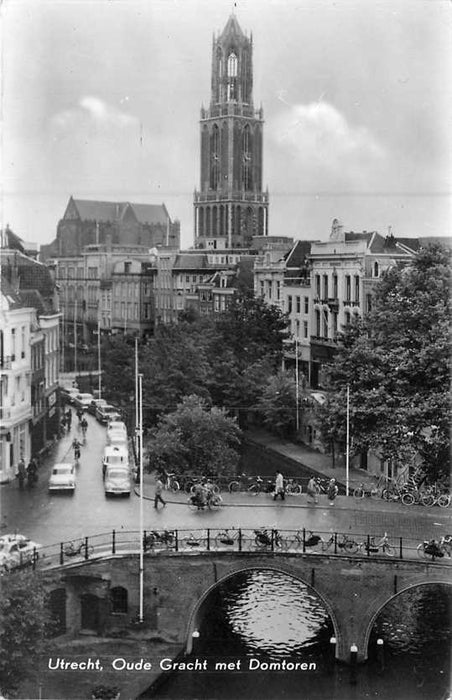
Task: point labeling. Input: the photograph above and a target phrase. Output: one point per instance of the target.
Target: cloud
(92, 112)
(318, 140)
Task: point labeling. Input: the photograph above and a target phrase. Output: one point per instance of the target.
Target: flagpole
(140, 437)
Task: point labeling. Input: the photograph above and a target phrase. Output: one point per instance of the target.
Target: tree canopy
(196, 439)
(397, 366)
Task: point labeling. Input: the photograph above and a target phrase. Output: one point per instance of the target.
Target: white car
(17, 550)
(114, 429)
(83, 401)
(118, 437)
(115, 456)
(117, 481)
(62, 477)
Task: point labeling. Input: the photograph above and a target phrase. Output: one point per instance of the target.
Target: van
(115, 455)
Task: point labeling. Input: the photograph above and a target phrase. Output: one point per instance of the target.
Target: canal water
(258, 618)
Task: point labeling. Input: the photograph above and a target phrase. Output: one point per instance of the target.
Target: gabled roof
(30, 273)
(297, 255)
(363, 236)
(95, 210)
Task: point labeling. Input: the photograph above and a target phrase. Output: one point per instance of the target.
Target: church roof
(95, 210)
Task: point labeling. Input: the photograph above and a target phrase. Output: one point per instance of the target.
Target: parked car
(17, 550)
(68, 394)
(115, 456)
(107, 413)
(94, 404)
(118, 437)
(117, 481)
(62, 477)
(82, 401)
(116, 426)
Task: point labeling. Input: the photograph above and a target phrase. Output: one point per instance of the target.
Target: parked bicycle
(159, 537)
(371, 490)
(293, 488)
(267, 538)
(345, 544)
(212, 501)
(383, 546)
(226, 537)
(434, 549)
(307, 539)
(72, 549)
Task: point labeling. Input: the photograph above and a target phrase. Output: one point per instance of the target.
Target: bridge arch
(389, 600)
(236, 571)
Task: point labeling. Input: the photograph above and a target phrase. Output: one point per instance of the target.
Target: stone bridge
(101, 595)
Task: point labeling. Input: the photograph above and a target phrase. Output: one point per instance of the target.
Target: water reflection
(269, 615)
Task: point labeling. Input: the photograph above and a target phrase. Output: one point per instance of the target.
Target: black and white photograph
(226, 255)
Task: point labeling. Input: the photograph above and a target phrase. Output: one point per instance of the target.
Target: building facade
(230, 207)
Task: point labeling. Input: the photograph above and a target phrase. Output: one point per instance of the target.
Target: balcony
(349, 302)
(333, 303)
(321, 340)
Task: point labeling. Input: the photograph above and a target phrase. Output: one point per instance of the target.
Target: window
(325, 287)
(289, 304)
(305, 329)
(261, 286)
(13, 344)
(127, 266)
(325, 324)
(334, 286)
(22, 333)
(306, 305)
(348, 284)
(119, 600)
(278, 290)
(298, 304)
(357, 288)
(232, 65)
(317, 286)
(317, 323)
(376, 269)
(368, 302)
(347, 318)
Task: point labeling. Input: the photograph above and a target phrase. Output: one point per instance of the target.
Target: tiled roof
(94, 210)
(297, 255)
(190, 262)
(232, 27)
(31, 297)
(31, 273)
(10, 298)
(363, 236)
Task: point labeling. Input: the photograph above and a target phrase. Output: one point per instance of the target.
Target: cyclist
(76, 447)
(79, 416)
(200, 495)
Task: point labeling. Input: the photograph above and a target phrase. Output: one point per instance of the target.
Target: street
(50, 518)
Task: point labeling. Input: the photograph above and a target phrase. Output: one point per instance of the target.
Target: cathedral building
(230, 207)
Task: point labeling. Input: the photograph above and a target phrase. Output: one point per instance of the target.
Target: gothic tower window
(232, 76)
(246, 159)
(215, 157)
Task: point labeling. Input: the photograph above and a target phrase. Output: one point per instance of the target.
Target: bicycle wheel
(215, 488)
(389, 550)
(358, 493)
(174, 486)
(254, 489)
(421, 551)
(408, 499)
(427, 500)
(351, 547)
(188, 486)
(293, 489)
(215, 502)
(443, 500)
(234, 486)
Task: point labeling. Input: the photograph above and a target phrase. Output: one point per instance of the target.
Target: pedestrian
(312, 490)
(279, 486)
(32, 472)
(158, 492)
(332, 491)
(21, 472)
(68, 419)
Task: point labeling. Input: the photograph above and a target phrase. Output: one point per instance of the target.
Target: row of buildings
(29, 357)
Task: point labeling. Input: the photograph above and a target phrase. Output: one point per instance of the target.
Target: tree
(118, 370)
(397, 365)
(25, 621)
(278, 404)
(195, 438)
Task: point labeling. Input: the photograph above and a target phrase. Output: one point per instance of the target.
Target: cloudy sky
(101, 100)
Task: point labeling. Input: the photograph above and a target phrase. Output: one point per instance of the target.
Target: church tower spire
(230, 207)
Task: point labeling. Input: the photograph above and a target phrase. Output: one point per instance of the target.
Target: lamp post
(140, 443)
(99, 370)
(347, 446)
(297, 389)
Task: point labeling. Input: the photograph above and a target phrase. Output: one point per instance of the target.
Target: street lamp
(297, 390)
(347, 446)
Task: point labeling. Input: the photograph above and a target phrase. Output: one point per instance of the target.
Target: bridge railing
(232, 539)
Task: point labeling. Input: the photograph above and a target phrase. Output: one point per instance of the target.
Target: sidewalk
(306, 457)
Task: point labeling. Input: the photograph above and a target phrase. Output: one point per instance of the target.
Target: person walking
(312, 490)
(158, 493)
(32, 472)
(332, 491)
(279, 486)
(69, 419)
(21, 472)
